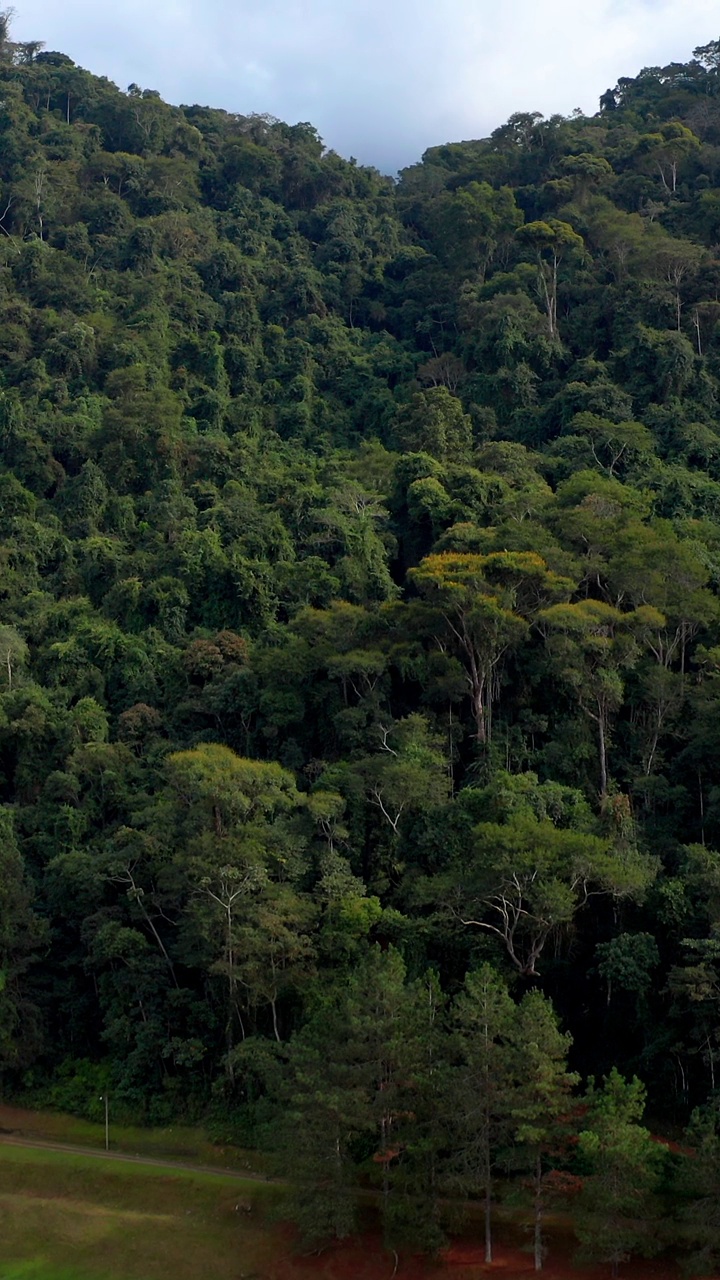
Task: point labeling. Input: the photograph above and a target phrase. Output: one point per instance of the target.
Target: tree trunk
(231, 997)
(602, 744)
(488, 1218)
(696, 323)
(385, 1139)
(478, 683)
(159, 941)
(553, 318)
(273, 1006)
(538, 1240)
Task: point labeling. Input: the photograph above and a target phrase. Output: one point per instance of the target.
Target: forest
(360, 647)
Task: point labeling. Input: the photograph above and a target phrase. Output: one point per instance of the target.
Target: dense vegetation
(360, 637)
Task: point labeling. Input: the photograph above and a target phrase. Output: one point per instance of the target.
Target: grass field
(181, 1142)
(67, 1216)
(70, 1217)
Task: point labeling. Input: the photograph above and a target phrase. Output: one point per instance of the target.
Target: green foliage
(359, 624)
(696, 1184)
(540, 1106)
(481, 1088)
(616, 1214)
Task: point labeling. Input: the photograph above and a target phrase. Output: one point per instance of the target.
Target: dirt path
(37, 1144)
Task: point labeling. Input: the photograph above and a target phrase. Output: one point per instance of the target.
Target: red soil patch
(471, 1253)
(13, 1119)
(364, 1258)
(367, 1259)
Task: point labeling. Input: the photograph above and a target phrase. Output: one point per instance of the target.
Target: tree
(593, 645)
(676, 261)
(434, 422)
(233, 846)
(6, 18)
(541, 1104)
(615, 1214)
(13, 653)
(524, 876)
(588, 172)
(626, 964)
(528, 881)
(415, 1210)
(665, 149)
(697, 1184)
(359, 1069)
(619, 236)
(612, 444)
(381, 1053)
(322, 1117)
(472, 223)
(478, 1115)
(273, 951)
(552, 241)
(21, 935)
(484, 603)
(408, 773)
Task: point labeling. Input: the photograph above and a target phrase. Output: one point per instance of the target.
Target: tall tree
(592, 645)
(541, 1107)
(483, 603)
(697, 1185)
(234, 851)
(479, 1112)
(552, 241)
(21, 936)
(615, 1214)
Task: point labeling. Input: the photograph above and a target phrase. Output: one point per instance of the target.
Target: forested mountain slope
(360, 565)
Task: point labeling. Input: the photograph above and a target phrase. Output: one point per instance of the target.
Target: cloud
(380, 79)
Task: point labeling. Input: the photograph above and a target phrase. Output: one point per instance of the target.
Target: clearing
(74, 1215)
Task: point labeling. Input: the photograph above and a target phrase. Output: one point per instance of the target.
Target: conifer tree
(541, 1105)
(321, 1118)
(479, 1116)
(697, 1188)
(616, 1215)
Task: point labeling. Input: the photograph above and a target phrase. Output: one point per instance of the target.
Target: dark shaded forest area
(360, 641)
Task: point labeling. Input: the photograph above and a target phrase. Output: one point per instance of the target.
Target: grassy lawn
(71, 1217)
(67, 1217)
(180, 1142)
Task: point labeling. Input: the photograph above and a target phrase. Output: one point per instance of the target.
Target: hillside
(359, 622)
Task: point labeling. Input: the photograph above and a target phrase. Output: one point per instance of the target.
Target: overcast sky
(380, 79)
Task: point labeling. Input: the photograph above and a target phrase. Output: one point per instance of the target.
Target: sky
(381, 80)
